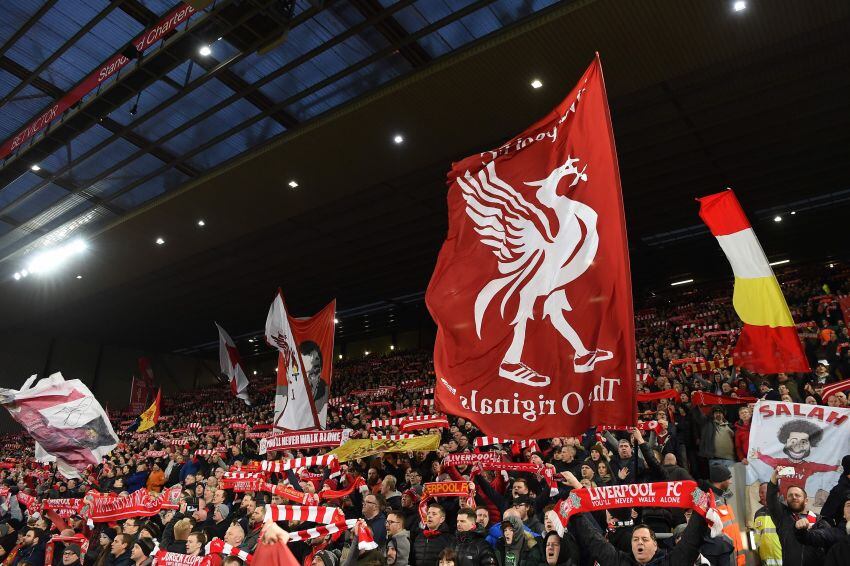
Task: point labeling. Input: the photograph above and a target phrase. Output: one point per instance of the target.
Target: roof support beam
(55, 92)
(27, 26)
(393, 32)
(145, 16)
(32, 76)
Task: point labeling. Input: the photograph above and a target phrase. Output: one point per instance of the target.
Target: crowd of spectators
(510, 521)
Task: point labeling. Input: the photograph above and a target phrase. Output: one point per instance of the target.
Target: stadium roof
(702, 97)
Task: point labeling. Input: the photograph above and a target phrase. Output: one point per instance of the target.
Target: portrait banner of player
(315, 337)
(806, 441)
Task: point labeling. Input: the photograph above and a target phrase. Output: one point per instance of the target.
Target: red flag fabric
(231, 365)
(704, 398)
(657, 395)
(844, 303)
(532, 292)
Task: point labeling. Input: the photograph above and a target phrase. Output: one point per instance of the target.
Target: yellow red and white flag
(768, 341)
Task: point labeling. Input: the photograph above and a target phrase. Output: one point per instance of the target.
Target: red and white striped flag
(833, 388)
(231, 365)
(277, 466)
(302, 513)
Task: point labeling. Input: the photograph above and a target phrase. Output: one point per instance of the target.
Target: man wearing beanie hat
(726, 547)
(220, 524)
(142, 550)
(326, 558)
(71, 555)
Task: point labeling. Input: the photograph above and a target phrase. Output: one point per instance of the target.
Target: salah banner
(532, 292)
(292, 440)
(305, 364)
(806, 442)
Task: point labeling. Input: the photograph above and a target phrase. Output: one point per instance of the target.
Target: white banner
(807, 441)
(293, 402)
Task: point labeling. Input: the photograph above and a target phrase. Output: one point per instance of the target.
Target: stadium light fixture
(831, 265)
(398, 139)
(793, 212)
(17, 276)
(255, 372)
(780, 262)
(739, 5)
(205, 51)
(336, 320)
(777, 219)
(35, 167)
(366, 353)
(53, 258)
(293, 184)
(79, 276)
(160, 241)
(392, 346)
(536, 83)
(339, 356)
(682, 282)
(201, 223)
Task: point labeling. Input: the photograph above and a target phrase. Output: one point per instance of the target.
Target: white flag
(293, 403)
(231, 365)
(65, 420)
(806, 442)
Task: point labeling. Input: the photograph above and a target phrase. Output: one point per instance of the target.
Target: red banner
(138, 396)
(165, 26)
(532, 292)
(683, 494)
(703, 398)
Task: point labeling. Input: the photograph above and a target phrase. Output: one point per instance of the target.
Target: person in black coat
(469, 545)
(645, 551)
(431, 541)
(786, 517)
(122, 547)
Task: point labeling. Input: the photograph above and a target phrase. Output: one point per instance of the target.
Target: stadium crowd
(206, 437)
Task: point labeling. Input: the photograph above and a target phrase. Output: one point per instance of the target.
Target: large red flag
(532, 292)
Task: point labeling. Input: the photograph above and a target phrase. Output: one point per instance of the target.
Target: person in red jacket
(742, 432)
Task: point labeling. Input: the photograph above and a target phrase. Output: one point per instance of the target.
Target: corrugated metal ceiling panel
(50, 32)
(15, 15)
(105, 39)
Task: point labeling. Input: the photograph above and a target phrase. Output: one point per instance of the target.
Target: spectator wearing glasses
(71, 555)
(398, 540)
(376, 520)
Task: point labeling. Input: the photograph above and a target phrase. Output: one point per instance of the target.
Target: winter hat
(365, 540)
(109, 532)
(223, 510)
(845, 462)
(146, 545)
(75, 548)
(329, 557)
(514, 522)
(718, 473)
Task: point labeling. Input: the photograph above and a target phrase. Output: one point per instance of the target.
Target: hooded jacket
(401, 540)
(525, 550)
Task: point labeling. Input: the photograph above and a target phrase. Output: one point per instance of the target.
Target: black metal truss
(214, 73)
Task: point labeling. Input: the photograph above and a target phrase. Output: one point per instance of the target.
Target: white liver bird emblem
(533, 259)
